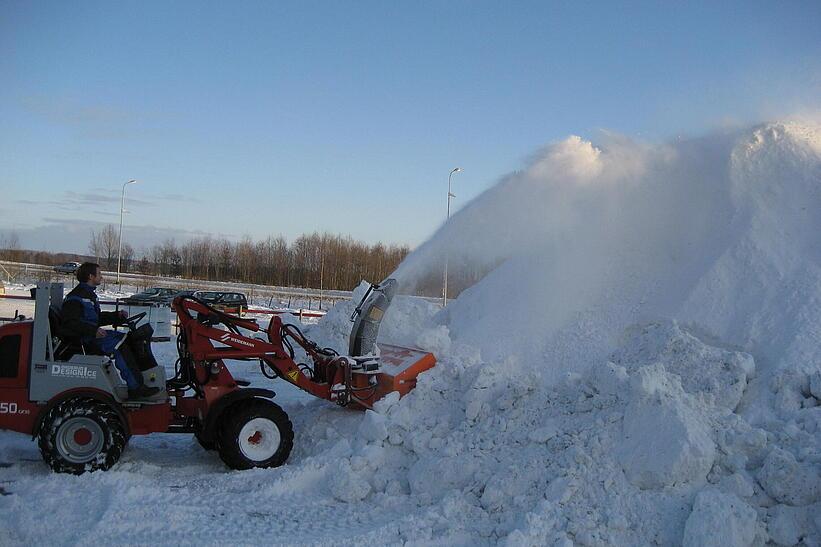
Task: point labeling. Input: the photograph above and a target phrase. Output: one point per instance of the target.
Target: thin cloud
(95, 198)
(91, 120)
(61, 234)
(180, 197)
(72, 200)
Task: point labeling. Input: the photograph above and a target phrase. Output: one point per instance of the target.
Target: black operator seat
(64, 348)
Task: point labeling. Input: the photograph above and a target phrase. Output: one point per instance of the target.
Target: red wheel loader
(75, 403)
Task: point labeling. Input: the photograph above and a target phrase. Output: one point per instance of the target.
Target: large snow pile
(642, 366)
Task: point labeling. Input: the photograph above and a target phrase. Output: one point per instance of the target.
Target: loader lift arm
(343, 379)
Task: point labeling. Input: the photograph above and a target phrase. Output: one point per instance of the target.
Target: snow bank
(719, 232)
(641, 363)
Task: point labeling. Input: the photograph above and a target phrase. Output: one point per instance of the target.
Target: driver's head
(90, 273)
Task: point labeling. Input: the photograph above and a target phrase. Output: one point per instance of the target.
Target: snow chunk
(789, 481)
(737, 484)
(435, 477)
(717, 375)
(815, 384)
(373, 427)
(720, 520)
(664, 441)
(788, 525)
(348, 485)
(544, 433)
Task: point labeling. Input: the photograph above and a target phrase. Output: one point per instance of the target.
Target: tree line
(325, 261)
(314, 260)
(317, 261)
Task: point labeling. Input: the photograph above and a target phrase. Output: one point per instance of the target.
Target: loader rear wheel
(80, 435)
(255, 433)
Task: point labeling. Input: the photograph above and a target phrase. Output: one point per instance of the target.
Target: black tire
(208, 445)
(271, 447)
(81, 435)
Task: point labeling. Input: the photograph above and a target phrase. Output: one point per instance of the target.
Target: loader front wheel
(206, 444)
(255, 433)
(80, 435)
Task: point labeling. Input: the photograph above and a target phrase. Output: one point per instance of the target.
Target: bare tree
(95, 246)
(109, 240)
(127, 256)
(103, 246)
(10, 247)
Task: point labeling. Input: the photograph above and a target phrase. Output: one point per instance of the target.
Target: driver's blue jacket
(81, 315)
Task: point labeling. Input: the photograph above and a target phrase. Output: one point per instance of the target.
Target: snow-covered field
(642, 367)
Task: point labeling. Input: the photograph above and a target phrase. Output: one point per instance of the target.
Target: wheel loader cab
(59, 365)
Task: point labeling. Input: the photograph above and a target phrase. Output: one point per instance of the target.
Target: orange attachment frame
(332, 377)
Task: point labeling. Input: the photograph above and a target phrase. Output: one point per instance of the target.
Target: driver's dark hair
(86, 270)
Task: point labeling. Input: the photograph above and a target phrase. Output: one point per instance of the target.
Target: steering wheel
(131, 322)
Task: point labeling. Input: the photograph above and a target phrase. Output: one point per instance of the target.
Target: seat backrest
(54, 319)
(64, 347)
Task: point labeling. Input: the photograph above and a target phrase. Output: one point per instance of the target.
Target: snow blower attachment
(366, 375)
(395, 367)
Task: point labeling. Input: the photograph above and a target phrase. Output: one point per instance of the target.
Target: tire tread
(102, 413)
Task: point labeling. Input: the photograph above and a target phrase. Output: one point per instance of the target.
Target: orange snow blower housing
(365, 375)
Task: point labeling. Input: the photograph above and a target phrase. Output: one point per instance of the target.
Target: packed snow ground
(643, 366)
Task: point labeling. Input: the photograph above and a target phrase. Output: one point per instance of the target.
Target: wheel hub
(79, 439)
(259, 439)
(82, 436)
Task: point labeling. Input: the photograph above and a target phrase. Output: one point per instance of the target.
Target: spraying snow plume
(719, 231)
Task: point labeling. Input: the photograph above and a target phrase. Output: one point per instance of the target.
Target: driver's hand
(101, 333)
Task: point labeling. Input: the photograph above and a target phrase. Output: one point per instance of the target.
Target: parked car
(155, 295)
(67, 267)
(233, 302)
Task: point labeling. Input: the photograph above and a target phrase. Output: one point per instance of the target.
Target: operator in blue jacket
(82, 319)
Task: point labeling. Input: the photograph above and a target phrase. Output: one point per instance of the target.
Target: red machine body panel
(150, 419)
(17, 413)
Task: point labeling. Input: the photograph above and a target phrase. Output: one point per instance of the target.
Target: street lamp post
(445, 281)
(122, 210)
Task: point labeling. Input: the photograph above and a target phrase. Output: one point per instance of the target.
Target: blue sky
(257, 118)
